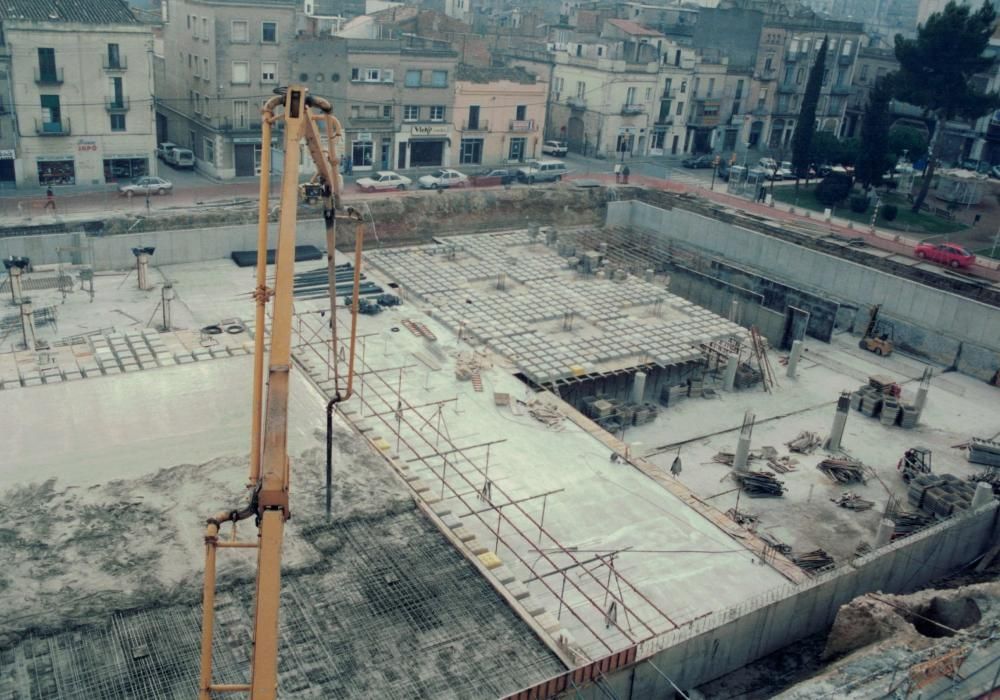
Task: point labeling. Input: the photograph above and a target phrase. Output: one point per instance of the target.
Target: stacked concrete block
(890, 411)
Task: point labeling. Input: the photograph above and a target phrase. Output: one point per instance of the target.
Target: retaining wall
(947, 328)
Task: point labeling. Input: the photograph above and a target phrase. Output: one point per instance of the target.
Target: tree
(806, 125)
(936, 71)
(824, 149)
(873, 158)
(907, 141)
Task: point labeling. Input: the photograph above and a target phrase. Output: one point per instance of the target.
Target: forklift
(915, 461)
(878, 335)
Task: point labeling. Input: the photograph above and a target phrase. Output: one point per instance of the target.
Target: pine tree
(936, 71)
(806, 125)
(874, 157)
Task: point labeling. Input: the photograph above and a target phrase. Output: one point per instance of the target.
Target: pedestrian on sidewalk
(618, 174)
(761, 193)
(50, 199)
(625, 173)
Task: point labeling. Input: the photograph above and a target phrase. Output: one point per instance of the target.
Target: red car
(948, 254)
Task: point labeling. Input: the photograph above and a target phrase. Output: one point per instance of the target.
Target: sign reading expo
(86, 145)
(429, 130)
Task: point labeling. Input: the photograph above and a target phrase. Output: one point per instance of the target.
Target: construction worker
(50, 199)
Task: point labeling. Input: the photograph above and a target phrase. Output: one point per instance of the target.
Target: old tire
(921, 254)
(954, 264)
(878, 351)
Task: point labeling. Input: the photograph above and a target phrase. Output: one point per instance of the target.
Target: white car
(554, 148)
(146, 185)
(785, 171)
(445, 177)
(384, 180)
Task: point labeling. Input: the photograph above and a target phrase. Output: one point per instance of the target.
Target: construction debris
(742, 518)
(805, 443)
(852, 501)
(982, 451)
(908, 522)
(760, 484)
(783, 465)
(844, 471)
(991, 476)
(813, 561)
(545, 413)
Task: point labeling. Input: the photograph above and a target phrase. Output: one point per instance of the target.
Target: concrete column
(793, 358)
(921, 399)
(166, 296)
(742, 455)
(734, 311)
(839, 421)
(729, 378)
(28, 324)
(648, 275)
(883, 535)
(16, 291)
(638, 387)
(142, 268)
(983, 495)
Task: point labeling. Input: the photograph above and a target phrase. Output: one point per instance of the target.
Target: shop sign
(430, 130)
(7, 154)
(86, 145)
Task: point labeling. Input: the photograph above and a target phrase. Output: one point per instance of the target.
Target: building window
(268, 72)
(439, 78)
(205, 111)
(711, 87)
(680, 109)
(118, 122)
(114, 56)
(387, 111)
(769, 62)
(51, 114)
(800, 76)
(194, 26)
(117, 169)
(684, 86)
(241, 72)
(239, 31)
(56, 172)
(471, 152)
(196, 68)
(47, 66)
(210, 151)
(437, 113)
(362, 153)
(204, 73)
(521, 112)
(864, 73)
(412, 78)
(581, 89)
(241, 108)
(630, 96)
(649, 94)
(739, 90)
(411, 113)
(204, 28)
(269, 32)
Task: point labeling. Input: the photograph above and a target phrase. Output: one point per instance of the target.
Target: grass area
(905, 220)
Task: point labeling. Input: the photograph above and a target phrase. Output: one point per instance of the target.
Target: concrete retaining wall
(939, 325)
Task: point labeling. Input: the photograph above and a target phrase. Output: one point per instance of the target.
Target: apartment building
(499, 114)
(392, 91)
(79, 84)
(221, 61)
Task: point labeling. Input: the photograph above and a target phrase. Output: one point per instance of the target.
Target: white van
(542, 171)
(180, 158)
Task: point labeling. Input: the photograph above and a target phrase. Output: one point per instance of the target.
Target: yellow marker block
(381, 444)
(490, 560)
(577, 370)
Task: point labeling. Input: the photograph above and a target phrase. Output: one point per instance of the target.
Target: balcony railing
(371, 118)
(480, 125)
(49, 77)
(767, 74)
(840, 90)
(117, 105)
(522, 125)
(577, 102)
(120, 63)
(227, 124)
(844, 60)
(633, 108)
(787, 88)
(61, 128)
(704, 120)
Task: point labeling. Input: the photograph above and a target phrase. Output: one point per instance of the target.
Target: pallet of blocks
(982, 451)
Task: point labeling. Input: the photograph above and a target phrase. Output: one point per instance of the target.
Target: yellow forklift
(878, 337)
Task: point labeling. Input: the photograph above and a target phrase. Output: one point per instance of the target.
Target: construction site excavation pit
(536, 472)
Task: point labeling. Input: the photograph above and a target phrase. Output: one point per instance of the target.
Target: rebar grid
(390, 405)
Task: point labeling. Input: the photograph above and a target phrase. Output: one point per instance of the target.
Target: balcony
(840, 90)
(792, 56)
(633, 108)
(117, 105)
(61, 128)
(241, 126)
(668, 121)
(49, 77)
(370, 118)
(766, 74)
(844, 60)
(120, 63)
(522, 125)
(577, 102)
(479, 125)
(787, 88)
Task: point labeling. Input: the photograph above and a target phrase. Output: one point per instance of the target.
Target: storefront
(425, 145)
(8, 175)
(56, 170)
(246, 156)
(125, 167)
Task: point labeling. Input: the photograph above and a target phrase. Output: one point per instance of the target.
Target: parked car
(493, 177)
(768, 164)
(950, 254)
(384, 180)
(785, 171)
(542, 171)
(699, 162)
(995, 171)
(146, 185)
(179, 157)
(164, 148)
(445, 177)
(554, 148)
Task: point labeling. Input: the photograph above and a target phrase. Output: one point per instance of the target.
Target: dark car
(698, 162)
(493, 177)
